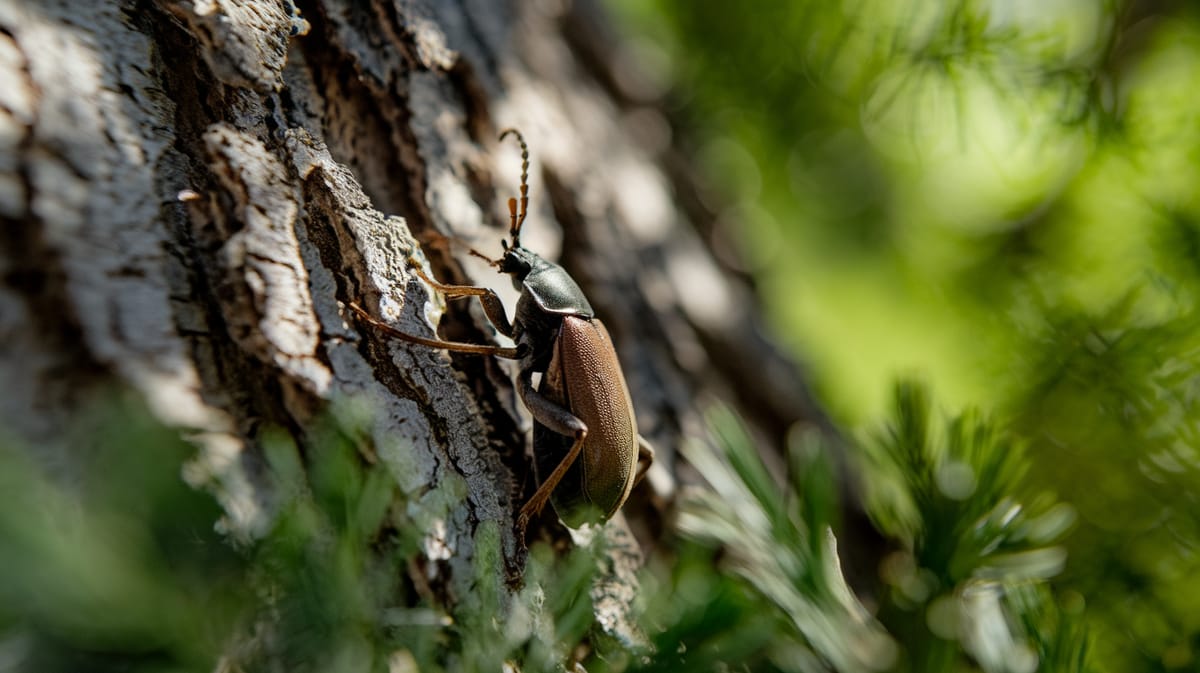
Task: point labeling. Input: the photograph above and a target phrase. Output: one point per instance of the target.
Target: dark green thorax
(546, 282)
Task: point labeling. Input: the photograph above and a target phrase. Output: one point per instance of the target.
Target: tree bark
(191, 197)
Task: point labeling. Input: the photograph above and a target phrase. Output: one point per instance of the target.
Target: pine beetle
(588, 454)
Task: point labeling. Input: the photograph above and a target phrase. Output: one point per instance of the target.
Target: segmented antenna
(518, 220)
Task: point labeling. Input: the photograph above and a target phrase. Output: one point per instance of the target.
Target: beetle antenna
(443, 242)
(480, 255)
(518, 218)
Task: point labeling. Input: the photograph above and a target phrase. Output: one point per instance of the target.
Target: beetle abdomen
(586, 377)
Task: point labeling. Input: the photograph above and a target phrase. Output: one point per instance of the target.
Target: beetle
(588, 454)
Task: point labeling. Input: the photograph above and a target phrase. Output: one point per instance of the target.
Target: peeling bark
(191, 196)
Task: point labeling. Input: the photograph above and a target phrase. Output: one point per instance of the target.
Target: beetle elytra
(588, 454)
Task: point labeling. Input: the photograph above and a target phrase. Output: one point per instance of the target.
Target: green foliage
(999, 197)
(758, 581)
(119, 570)
(122, 568)
(776, 596)
(974, 556)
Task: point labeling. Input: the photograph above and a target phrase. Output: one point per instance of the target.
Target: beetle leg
(542, 495)
(493, 308)
(559, 419)
(645, 459)
(478, 349)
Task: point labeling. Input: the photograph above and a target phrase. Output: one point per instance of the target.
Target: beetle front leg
(515, 353)
(493, 308)
(559, 419)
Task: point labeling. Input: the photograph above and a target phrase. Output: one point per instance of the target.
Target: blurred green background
(1002, 199)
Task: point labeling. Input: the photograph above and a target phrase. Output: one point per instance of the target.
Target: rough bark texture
(191, 196)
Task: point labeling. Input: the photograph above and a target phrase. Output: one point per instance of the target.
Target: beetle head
(517, 262)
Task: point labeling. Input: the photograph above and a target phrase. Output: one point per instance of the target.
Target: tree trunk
(191, 198)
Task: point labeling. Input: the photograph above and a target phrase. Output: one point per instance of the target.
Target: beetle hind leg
(645, 459)
(559, 419)
(539, 499)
